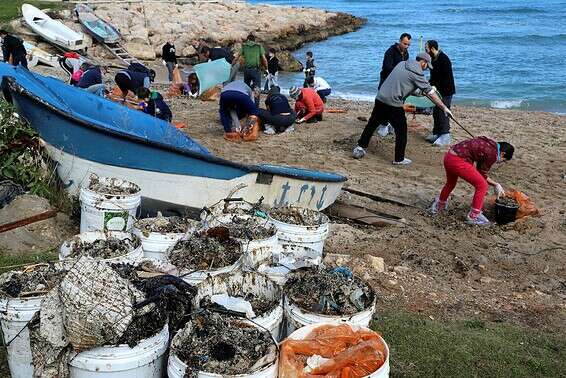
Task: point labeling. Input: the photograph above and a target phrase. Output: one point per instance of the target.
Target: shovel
(454, 119)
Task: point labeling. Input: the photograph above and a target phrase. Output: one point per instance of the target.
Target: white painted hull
(52, 30)
(198, 192)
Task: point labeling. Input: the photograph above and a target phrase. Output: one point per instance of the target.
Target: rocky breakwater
(147, 26)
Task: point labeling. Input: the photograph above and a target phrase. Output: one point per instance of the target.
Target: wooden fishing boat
(54, 31)
(37, 55)
(88, 134)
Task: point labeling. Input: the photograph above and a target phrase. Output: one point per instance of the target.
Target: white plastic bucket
(255, 251)
(194, 278)
(15, 313)
(297, 317)
(240, 284)
(176, 369)
(302, 236)
(147, 359)
(155, 244)
(131, 257)
(109, 212)
(382, 372)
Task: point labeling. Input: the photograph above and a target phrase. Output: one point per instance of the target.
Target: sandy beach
(439, 265)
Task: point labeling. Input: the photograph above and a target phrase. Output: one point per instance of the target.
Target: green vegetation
(10, 9)
(421, 347)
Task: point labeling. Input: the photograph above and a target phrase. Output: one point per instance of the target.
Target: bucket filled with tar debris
(286, 260)
(334, 350)
(321, 295)
(505, 210)
(206, 253)
(109, 204)
(298, 227)
(257, 235)
(111, 246)
(21, 293)
(251, 295)
(159, 234)
(215, 345)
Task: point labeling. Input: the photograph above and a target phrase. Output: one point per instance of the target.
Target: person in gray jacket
(236, 102)
(407, 78)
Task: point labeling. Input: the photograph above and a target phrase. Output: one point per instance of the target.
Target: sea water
(505, 53)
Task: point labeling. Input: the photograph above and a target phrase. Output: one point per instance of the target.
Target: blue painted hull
(101, 133)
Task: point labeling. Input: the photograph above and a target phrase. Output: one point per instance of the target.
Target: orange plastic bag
(352, 353)
(177, 76)
(526, 205)
(250, 128)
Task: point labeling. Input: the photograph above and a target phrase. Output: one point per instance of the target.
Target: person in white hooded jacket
(407, 78)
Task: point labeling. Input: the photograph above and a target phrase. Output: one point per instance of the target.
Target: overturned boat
(87, 134)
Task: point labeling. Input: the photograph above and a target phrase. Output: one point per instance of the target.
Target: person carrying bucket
(459, 163)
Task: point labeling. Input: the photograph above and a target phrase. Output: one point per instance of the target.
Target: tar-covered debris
(172, 298)
(112, 186)
(206, 251)
(174, 225)
(223, 345)
(248, 228)
(328, 291)
(104, 248)
(297, 216)
(31, 281)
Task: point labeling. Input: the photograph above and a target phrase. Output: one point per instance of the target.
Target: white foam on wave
(506, 104)
(354, 96)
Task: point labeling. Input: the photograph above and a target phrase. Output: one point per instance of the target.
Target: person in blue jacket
(91, 80)
(153, 104)
(131, 80)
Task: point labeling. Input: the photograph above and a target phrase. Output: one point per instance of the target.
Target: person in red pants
(459, 163)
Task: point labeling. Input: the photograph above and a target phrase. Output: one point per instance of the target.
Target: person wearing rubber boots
(407, 78)
(471, 160)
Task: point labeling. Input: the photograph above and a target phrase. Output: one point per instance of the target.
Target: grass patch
(421, 347)
(11, 9)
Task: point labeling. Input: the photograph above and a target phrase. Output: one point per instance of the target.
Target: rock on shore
(146, 27)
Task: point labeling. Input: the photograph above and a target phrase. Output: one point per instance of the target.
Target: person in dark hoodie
(442, 77)
(279, 117)
(168, 54)
(272, 71)
(407, 78)
(131, 80)
(396, 53)
(91, 79)
(13, 49)
(153, 104)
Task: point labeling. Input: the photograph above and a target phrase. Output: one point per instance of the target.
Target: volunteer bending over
(459, 163)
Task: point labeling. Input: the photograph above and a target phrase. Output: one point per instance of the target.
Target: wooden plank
(29, 220)
(376, 197)
(364, 215)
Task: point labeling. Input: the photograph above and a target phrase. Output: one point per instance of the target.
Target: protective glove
(433, 91)
(418, 92)
(301, 120)
(176, 65)
(164, 63)
(448, 113)
(498, 190)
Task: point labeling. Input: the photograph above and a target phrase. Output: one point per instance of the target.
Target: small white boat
(52, 30)
(36, 55)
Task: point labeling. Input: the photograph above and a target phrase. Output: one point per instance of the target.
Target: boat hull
(168, 191)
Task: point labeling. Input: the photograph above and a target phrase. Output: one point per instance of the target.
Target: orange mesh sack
(250, 128)
(350, 353)
(177, 76)
(526, 205)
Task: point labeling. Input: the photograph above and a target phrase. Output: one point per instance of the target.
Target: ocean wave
(507, 104)
(489, 10)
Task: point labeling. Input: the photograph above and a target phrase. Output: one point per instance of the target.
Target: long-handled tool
(453, 119)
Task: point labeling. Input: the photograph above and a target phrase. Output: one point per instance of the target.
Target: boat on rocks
(86, 134)
(54, 31)
(99, 29)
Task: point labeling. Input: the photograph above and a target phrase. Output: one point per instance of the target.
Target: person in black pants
(279, 116)
(13, 49)
(169, 56)
(442, 77)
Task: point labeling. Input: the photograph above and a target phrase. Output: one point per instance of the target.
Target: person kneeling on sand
(236, 102)
(279, 117)
(459, 163)
(407, 78)
(321, 87)
(153, 104)
(308, 105)
(91, 80)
